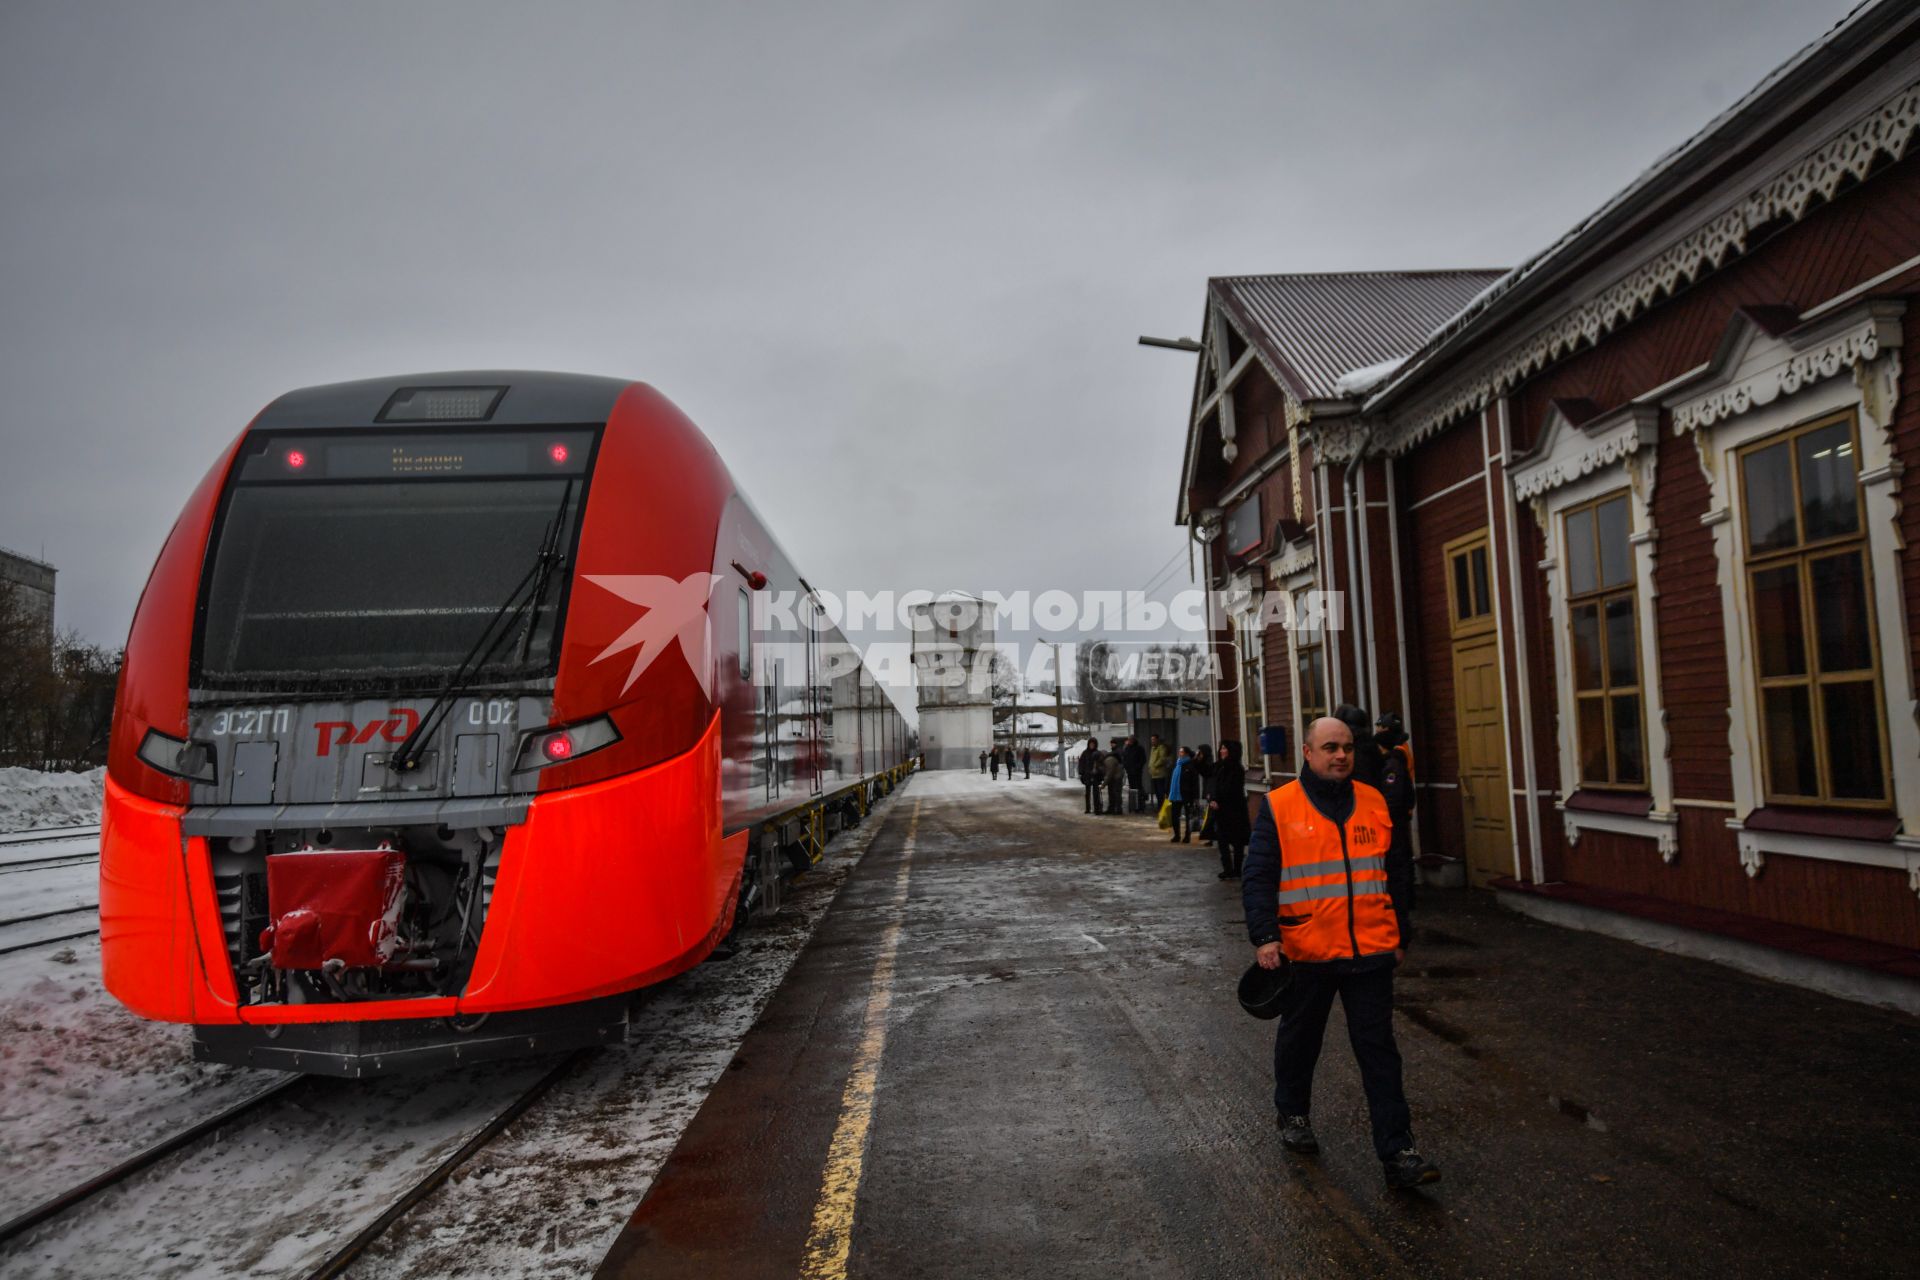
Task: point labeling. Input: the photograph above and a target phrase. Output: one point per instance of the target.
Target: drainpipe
(1356, 586)
(1323, 572)
(1399, 613)
(1520, 647)
(1366, 587)
(1399, 589)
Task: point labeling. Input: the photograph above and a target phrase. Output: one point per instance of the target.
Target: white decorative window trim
(1569, 466)
(1887, 129)
(1755, 847)
(1663, 829)
(1821, 358)
(1567, 453)
(1760, 384)
(1296, 560)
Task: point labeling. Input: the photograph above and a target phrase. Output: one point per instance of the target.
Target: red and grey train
(449, 720)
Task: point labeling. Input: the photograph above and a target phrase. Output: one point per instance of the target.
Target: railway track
(66, 1200)
(48, 863)
(41, 835)
(45, 879)
(355, 1248)
(286, 1099)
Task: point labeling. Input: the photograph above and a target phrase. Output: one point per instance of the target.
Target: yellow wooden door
(1476, 697)
(1483, 759)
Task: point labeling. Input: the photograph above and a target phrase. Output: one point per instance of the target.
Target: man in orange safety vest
(1315, 890)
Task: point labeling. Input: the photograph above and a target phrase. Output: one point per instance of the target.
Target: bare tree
(56, 691)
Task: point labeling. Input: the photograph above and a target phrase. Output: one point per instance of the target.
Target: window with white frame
(1591, 489)
(1603, 639)
(1817, 664)
(1794, 433)
(1253, 697)
(1309, 659)
(1291, 579)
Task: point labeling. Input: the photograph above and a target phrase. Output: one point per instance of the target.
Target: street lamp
(1059, 712)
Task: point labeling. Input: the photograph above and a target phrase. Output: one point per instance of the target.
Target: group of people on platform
(1205, 794)
(1004, 757)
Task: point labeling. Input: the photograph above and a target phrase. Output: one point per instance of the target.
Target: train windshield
(382, 562)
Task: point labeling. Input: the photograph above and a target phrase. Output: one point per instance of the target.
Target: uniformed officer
(1315, 889)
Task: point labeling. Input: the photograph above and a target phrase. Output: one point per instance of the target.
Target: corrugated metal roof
(1314, 328)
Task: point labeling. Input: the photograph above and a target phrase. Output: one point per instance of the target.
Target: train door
(770, 726)
(814, 750)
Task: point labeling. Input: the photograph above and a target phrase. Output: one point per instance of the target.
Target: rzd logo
(340, 732)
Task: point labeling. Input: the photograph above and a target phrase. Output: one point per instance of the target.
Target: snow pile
(1358, 381)
(30, 798)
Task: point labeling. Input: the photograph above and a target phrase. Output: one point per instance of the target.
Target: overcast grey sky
(892, 257)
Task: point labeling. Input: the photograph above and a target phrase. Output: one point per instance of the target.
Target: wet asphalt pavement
(1067, 1087)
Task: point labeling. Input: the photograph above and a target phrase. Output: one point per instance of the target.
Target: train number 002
(494, 712)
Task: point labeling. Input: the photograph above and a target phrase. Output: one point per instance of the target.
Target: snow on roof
(1355, 381)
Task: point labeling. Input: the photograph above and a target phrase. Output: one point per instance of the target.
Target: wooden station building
(1626, 534)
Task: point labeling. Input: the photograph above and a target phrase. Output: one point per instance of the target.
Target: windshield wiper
(524, 600)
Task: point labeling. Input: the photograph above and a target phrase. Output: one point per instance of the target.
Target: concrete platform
(1013, 1050)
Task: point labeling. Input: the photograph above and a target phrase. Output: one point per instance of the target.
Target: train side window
(746, 637)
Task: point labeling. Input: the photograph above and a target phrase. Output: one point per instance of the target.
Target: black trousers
(1232, 858)
(1113, 797)
(1183, 812)
(1367, 997)
(1093, 796)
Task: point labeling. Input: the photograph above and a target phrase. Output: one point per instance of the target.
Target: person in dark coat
(1092, 776)
(1026, 762)
(1366, 764)
(983, 762)
(1396, 784)
(1229, 808)
(1116, 772)
(1203, 769)
(1135, 759)
(993, 763)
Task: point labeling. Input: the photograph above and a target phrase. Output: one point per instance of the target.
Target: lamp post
(1059, 713)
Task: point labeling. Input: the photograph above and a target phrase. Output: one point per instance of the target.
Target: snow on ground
(64, 848)
(278, 1193)
(548, 1197)
(83, 1083)
(39, 891)
(30, 798)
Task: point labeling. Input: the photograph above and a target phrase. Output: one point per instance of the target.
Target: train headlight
(190, 760)
(558, 745)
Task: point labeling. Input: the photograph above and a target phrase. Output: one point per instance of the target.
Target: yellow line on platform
(832, 1234)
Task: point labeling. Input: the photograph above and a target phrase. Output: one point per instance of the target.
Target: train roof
(522, 397)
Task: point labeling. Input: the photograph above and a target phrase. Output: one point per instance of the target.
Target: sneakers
(1408, 1169)
(1297, 1135)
